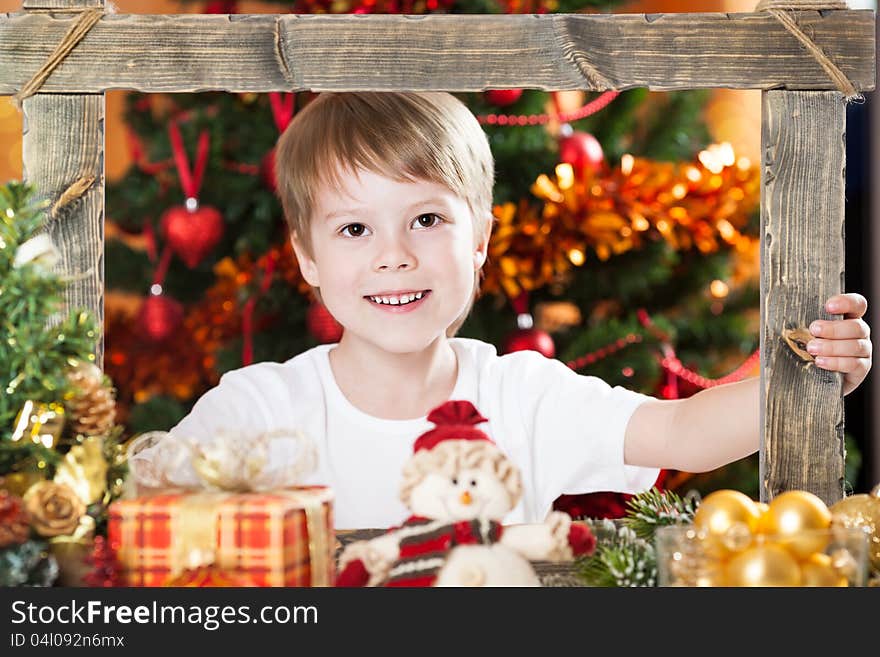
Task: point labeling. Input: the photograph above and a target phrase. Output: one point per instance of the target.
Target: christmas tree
(626, 244)
(61, 461)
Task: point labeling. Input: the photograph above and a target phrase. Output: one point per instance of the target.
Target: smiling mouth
(398, 299)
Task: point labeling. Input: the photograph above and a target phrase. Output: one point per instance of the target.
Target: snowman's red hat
(455, 420)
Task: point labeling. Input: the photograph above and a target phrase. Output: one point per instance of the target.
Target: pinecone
(92, 406)
(14, 526)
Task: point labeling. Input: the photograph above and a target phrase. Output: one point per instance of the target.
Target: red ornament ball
(582, 151)
(192, 234)
(159, 317)
(530, 340)
(267, 171)
(502, 97)
(322, 324)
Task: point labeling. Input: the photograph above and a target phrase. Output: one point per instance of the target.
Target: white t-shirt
(563, 430)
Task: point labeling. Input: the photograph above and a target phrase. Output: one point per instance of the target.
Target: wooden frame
(802, 198)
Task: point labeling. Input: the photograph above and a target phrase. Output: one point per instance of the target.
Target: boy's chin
(408, 344)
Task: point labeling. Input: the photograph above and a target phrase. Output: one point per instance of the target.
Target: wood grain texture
(802, 264)
(186, 53)
(63, 141)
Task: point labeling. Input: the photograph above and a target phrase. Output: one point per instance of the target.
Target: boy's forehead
(363, 190)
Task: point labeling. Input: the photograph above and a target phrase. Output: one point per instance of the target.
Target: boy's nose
(394, 257)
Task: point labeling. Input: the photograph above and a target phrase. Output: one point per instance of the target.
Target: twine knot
(81, 26)
(782, 11)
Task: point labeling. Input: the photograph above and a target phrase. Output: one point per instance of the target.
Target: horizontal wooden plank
(186, 53)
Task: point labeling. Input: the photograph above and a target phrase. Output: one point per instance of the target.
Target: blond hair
(450, 456)
(429, 136)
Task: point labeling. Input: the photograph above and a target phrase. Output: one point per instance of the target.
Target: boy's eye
(353, 230)
(426, 221)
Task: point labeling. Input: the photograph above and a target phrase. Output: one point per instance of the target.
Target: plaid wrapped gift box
(280, 538)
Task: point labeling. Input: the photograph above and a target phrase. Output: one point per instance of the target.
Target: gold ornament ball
(737, 538)
(763, 508)
(764, 565)
(726, 515)
(818, 571)
(798, 520)
(861, 511)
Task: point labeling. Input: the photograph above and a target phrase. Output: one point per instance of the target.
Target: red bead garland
(540, 119)
(669, 362)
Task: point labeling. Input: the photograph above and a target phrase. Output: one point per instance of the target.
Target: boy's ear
(481, 251)
(306, 264)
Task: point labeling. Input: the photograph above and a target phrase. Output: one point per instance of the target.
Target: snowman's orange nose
(465, 498)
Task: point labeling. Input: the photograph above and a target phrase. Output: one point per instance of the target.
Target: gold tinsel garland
(701, 205)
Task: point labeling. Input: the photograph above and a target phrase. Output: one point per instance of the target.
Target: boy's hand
(843, 345)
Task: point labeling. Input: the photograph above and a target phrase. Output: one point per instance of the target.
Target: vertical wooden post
(63, 142)
(802, 264)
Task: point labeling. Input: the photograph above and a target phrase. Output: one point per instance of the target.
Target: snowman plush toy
(459, 486)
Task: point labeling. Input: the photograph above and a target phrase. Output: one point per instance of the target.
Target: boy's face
(395, 261)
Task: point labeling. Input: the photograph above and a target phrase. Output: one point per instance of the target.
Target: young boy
(389, 201)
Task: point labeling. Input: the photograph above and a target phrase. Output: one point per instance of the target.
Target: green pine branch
(621, 558)
(38, 349)
(647, 511)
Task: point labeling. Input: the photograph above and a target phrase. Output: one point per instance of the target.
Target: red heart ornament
(192, 235)
(159, 317)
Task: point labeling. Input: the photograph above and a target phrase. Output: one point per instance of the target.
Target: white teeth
(398, 300)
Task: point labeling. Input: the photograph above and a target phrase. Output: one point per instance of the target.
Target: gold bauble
(798, 520)
(861, 511)
(763, 508)
(737, 538)
(817, 570)
(726, 516)
(763, 565)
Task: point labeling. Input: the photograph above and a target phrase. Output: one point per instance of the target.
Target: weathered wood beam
(186, 53)
(802, 264)
(63, 142)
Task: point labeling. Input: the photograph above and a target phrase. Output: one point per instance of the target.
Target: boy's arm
(714, 427)
(719, 425)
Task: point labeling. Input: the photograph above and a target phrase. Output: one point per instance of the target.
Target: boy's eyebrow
(344, 212)
(428, 201)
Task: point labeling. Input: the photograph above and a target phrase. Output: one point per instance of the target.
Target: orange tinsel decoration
(702, 204)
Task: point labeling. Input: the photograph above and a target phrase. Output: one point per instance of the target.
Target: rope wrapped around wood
(81, 26)
(782, 11)
(86, 21)
(72, 193)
